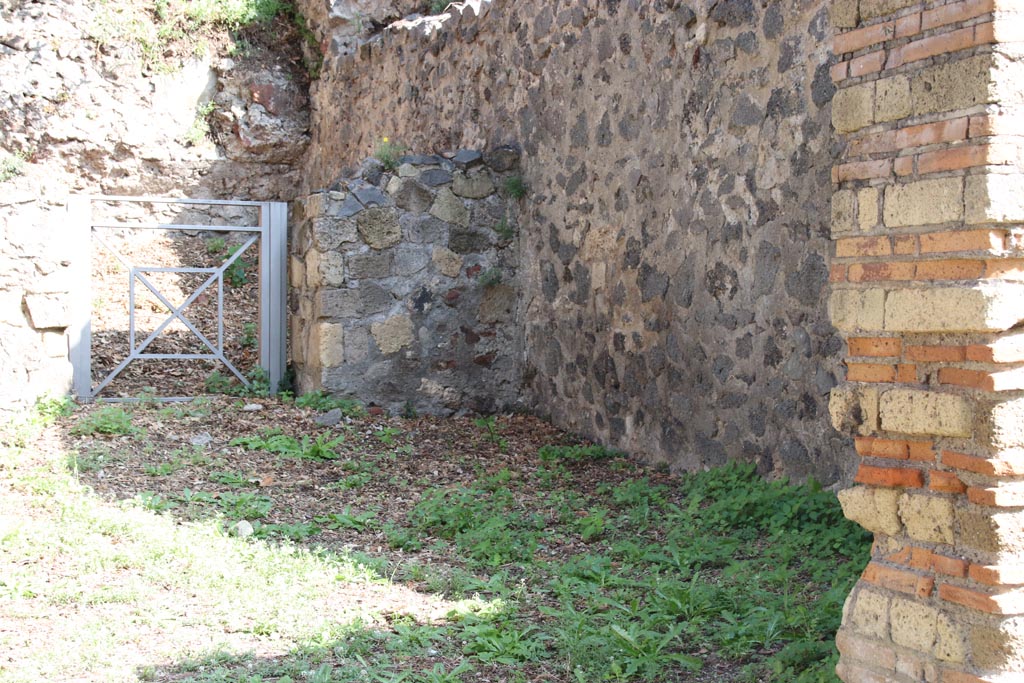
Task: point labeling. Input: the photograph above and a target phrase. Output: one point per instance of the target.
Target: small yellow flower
(385, 139)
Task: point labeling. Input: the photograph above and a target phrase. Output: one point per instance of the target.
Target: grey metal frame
(271, 233)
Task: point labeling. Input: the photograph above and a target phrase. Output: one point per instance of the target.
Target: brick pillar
(928, 288)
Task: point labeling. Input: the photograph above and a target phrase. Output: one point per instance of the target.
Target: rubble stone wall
(675, 228)
(404, 286)
(928, 288)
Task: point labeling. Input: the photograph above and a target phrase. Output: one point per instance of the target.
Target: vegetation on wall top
(164, 33)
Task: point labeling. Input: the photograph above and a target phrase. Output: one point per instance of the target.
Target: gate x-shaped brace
(216, 275)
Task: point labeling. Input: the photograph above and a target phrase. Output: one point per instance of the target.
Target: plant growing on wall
(504, 229)
(388, 152)
(490, 277)
(515, 187)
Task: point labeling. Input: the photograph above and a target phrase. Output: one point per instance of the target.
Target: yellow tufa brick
(927, 518)
(912, 411)
(874, 509)
(926, 202)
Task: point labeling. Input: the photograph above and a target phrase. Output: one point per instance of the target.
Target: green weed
(244, 505)
(200, 128)
(489, 424)
(387, 435)
(155, 502)
(219, 383)
(553, 453)
(236, 479)
(322, 402)
(216, 246)
(504, 229)
(490, 277)
(108, 421)
(11, 165)
(237, 274)
(515, 187)
(249, 339)
(348, 519)
(163, 469)
(320, 448)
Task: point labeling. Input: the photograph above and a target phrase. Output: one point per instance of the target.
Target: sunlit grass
(125, 588)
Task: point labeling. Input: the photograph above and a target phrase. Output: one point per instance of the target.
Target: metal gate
(268, 238)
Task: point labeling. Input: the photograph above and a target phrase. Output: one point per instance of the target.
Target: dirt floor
(384, 463)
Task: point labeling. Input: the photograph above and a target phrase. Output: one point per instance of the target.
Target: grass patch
(470, 552)
(11, 165)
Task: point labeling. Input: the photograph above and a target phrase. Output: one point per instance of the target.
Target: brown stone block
(1009, 494)
(853, 107)
(950, 269)
(875, 346)
(898, 580)
(1005, 269)
(881, 448)
(998, 575)
(882, 271)
(994, 198)
(955, 12)
(991, 530)
(852, 41)
(989, 241)
(1006, 602)
(986, 306)
(989, 466)
(889, 477)
(856, 647)
(926, 134)
(945, 482)
(874, 509)
(870, 372)
(863, 246)
(857, 309)
(936, 354)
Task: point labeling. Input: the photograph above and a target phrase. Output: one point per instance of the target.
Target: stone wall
(929, 289)
(404, 285)
(675, 231)
(35, 281)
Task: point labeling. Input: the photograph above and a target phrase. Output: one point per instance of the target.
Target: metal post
(278, 292)
(79, 226)
(273, 273)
